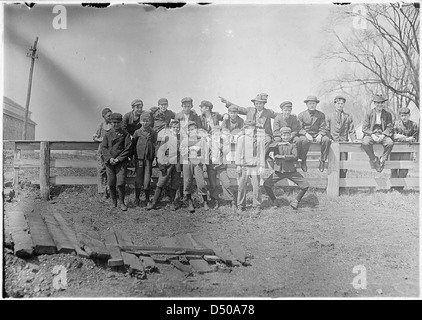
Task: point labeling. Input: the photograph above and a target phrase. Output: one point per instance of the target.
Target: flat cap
(286, 104)
(285, 130)
(173, 121)
(404, 110)
(380, 98)
(145, 115)
(339, 97)
(205, 103)
(116, 116)
(187, 99)
(136, 102)
(192, 123)
(163, 101)
(249, 123)
(311, 98)
(233, 108)
(262, 97)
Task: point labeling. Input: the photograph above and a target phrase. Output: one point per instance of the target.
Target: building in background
(13, 120)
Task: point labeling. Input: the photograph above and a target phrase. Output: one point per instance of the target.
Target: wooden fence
(332, 182)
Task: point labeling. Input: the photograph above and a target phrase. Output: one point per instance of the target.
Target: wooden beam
(43, 241)
(45, 170)
(175, 250)
(222, 254)
(22, 242)
(113, 247)
(333, 179)
(182, 267)
(94, 247)
(379, 182)
(359, 165)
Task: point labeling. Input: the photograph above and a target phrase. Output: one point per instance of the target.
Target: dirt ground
(311, 252)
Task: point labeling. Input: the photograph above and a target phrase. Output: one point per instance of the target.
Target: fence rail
(332, 182)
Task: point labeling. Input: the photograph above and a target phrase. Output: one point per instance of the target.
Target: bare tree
(379, 46)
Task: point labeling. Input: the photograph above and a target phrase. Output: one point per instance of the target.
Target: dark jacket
(314, 123)
(143, 144)
(340, 128)
(192, 117)
(161, 119)
(226, 125)
(409, 129)
(215, 119)
(265, 118)
(368, 126)
(116, 144)
(130, 124)
(289, 151)
(292, 122)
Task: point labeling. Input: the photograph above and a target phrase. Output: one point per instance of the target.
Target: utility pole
(33, 55)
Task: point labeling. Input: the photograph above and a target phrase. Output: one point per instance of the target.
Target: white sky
(109, 57)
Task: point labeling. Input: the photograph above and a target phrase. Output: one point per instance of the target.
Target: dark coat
(265, 118)
(116, 144)
(368, 125)
(161, 119)
(289, 151)
(130, 124)
(215, 118)
(226, 125)
(143, 142)
(291, 122)
(409, 129)
(314, 124)
(340, 129)
(192, 117)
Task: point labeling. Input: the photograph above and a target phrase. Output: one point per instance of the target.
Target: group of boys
(193, 146)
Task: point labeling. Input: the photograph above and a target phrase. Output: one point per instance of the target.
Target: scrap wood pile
(34, 231)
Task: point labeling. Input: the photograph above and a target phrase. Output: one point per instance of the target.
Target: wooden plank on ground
(184, 241)
(200, 266)
(94, 247)
(70, 234)
(167, 250)
(22, 242)
(112, 246)
(43, 241)
(222, 254)
(168, 242)
(236, 249)
(149, 264)
(182, 267)
(132, 261)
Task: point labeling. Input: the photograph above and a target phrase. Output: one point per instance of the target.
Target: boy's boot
(172, 198)
(191, 208)
(295, 203)
(153, 204)
(137, 196)
(147, 203)
(122, 191)
(113, 196)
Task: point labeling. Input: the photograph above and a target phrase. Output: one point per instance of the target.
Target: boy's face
(285, 136)
(137, 109)
(286, 112)
(146, 122)
(379, 106)
(233, 115)
(204, 109)
(117, 124)
(175, 128)
(259, 105)
(163, 107)
(311, 105)
(404, 117)
(107, 117)
(192, 130)
(186, 106)
(339, 104)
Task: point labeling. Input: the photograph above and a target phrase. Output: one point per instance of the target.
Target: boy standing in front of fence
(115, 148)
(285, 154)
(143, 141)
(405, 130)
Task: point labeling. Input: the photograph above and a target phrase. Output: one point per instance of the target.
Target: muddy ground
(311, 252)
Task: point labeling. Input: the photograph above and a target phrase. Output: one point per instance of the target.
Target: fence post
(333, 184)
(45, 170)
(16, 157)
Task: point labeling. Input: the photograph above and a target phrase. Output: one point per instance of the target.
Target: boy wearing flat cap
(168, 158)
(286, 119)
(405, 130)
(187, 115)
(103, 127)
(285, 154)
(115, 148)
(340, 127)
(195, 153)
(312, 129)
(259, 114)
(378, 127)
(250, 160)
(131, 120)
(143, 141)
(161, 115)
(233, 122)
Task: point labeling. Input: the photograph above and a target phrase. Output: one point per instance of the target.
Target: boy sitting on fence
(115, 148)
(168, 158)
(285, 154)
(143, 141)
(405, 130)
